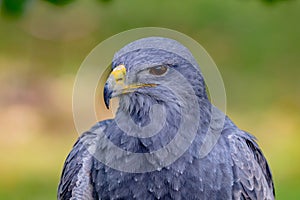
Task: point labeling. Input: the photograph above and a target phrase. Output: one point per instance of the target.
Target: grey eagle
(161, 72)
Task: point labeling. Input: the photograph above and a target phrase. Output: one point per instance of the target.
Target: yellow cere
(119, 72)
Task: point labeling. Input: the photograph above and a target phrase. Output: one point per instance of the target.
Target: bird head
(144, 71)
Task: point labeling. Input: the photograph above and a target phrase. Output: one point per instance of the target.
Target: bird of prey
(161, 72)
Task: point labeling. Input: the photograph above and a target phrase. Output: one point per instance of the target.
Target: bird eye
(158, 70)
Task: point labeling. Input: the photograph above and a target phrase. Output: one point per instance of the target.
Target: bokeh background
(255, 44)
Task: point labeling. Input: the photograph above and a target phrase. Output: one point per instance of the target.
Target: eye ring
(158, 70)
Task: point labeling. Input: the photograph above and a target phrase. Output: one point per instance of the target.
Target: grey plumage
(234, 169)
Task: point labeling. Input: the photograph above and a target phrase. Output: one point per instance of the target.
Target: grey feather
(75, 181)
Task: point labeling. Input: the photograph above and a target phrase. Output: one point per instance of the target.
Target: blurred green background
(255, 44)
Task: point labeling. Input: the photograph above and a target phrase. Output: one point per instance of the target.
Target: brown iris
(158, 70)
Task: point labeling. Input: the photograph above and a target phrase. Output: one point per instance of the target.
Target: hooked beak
(116, 85)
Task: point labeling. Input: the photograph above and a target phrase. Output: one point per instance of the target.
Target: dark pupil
(159, 70)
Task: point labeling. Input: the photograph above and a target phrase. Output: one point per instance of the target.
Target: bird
(163, 98)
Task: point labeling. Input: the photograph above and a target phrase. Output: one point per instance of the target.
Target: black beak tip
(107, 95)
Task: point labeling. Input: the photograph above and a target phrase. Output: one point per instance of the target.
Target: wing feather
(75, 182)
(252, 175)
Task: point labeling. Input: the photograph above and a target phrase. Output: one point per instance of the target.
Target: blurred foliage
(17, 7)
(255, 46)
(272, 1)
(13, 7)
(59, 2)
